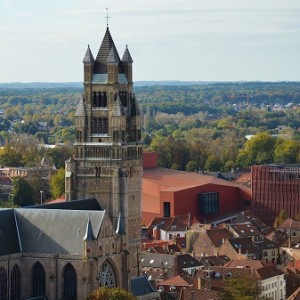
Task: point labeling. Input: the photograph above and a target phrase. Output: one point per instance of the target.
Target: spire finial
(107, 17)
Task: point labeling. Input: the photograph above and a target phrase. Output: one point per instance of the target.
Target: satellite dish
(161, 289)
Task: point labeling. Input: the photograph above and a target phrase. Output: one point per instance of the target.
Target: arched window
(3, 284)
(38, 280)
(15, 288)
(70, 283)
(107, 275)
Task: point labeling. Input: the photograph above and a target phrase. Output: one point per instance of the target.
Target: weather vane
(107, 17)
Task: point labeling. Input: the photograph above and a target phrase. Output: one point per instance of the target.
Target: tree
(57, 183)
(286, 151)
(258, 150)
(213, 163)
(280, 218)
(22, 192)
(103, 293)
(240, 289)
(191, 166)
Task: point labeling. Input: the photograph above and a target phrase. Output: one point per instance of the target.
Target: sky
(195, 40)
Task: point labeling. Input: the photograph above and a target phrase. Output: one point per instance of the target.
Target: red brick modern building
(275, 187)
(167, 193)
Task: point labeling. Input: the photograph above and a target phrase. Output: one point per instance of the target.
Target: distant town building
(275, 187)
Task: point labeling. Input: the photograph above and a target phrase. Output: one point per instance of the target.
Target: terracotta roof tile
(175, 281)
(217, 235)
(192, 294)
(245, 263)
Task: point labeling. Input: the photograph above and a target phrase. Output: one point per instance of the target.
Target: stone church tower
(107, 164)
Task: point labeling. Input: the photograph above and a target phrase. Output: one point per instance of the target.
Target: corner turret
(127, 64)
(88, 62)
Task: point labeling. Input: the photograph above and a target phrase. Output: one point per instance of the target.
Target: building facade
(275, 187)
(107, 164)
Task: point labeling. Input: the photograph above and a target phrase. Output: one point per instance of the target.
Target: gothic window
(15, 288)
(38, 280)
(123, 136)
(123, 98)
(106, 275)
(3, 284)
(103, 100)
(116, 136)
(139, 135)
(94, 99)
(70, 283)
(99, 125)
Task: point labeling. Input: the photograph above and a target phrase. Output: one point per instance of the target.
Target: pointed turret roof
(103, 53)
(127, 57)
(89, 235)
(88, 57)
(120, 226)
(113, 57)
(117, 109)
(80, 111)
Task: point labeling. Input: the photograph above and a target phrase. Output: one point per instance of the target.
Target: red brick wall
(187, 201)
(275, 188)
(149, 160)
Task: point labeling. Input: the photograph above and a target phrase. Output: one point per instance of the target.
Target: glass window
(38, 280)
(3, 284)
(70, 282)
(15, 288)
(209, 203)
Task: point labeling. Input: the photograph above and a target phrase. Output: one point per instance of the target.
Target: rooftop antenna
(107, 17)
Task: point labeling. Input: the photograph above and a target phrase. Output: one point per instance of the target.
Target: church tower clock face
(106, 276)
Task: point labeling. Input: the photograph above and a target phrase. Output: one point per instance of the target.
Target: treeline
(192, 126)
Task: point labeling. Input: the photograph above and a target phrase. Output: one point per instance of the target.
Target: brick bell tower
(107, 164)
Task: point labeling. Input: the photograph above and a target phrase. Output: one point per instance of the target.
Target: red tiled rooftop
(174, 180)
(245, 263)
(217, 235)
(174, 281)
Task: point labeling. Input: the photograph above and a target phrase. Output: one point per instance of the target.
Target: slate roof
(84, 204)
(88, 57)
(141, 286)
(185, 261)
(113, 57)
(247, 216)
(219, 260)
(127, 57)
(245, 244)
(246, 229)
(155, 260)
(9, 242)
(49, 231)
(104, 55)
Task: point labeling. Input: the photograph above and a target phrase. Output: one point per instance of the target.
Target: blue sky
(168, 40)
